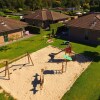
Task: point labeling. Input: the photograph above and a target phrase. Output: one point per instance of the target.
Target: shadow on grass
(35, 83)
(86, 56)
(65, 38)
(80, 58)
(98, 98)
(92, 55)
(4, 48)
(88, 44)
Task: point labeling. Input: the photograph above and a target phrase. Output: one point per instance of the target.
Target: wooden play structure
(29, 58)
(52, 55)
(67, 56)
(64, 66)
(68, 50)
(41, 79)
(7, 69)
(7, 72)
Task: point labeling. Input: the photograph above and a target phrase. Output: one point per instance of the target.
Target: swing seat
(67, 57)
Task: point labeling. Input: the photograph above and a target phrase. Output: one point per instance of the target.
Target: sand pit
(24, 80)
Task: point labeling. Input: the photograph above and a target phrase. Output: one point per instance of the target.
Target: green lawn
(19, 48)
(14, 17)
(87, 87)
(5, 96)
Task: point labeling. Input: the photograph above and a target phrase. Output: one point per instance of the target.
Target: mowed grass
(5, 96)
(17, 49)
(87, 86)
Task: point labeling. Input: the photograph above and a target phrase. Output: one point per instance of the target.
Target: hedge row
(54, 27)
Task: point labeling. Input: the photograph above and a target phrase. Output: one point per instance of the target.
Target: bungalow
(10, 28)
(85, 29)
(43, 18)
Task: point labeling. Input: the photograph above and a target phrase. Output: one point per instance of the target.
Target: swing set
(7, 72)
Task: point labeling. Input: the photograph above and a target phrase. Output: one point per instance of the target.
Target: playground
(42, 74)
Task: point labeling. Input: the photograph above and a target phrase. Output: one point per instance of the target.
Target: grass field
(5, 96)
(87, 87)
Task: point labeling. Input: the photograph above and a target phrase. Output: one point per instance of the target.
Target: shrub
(71, 13)
(54, 27)
(86, 6)
(2, 14)
(7, 11)
(34, 29)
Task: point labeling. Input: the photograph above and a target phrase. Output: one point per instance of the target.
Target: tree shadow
(80, 58)
(98, 98)
(86, 56)
(35, 83)
(95, 56)
(85, 43)
(66, 38)
(4, 48)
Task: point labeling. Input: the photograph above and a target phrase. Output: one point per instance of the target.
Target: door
(6, 37)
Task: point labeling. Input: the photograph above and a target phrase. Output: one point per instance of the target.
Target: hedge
(54, 27)
(34, 29)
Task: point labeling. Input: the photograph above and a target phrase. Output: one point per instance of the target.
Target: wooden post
(7, 70)
(41, 79)
(66, 65)
(29, 58)
(62, 67)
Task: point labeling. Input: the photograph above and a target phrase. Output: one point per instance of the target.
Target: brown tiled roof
(91, 21)
(7, 24)
(46, 15)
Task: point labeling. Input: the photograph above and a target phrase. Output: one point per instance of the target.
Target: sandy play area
(24, 80)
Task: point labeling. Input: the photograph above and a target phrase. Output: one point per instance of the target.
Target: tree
(86, 6)
(2, 4)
